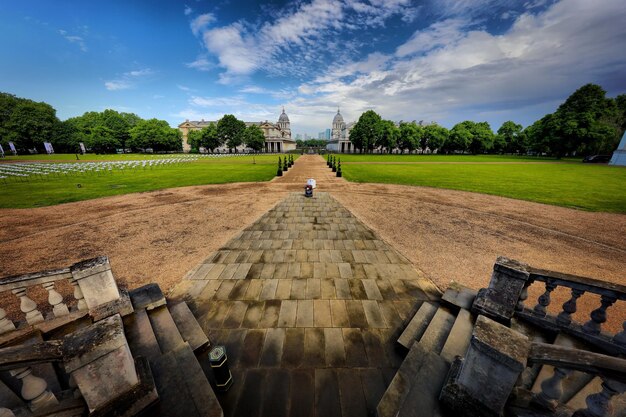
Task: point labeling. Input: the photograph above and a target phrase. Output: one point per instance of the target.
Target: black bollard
(219, 365)
(279, 173)
(339, 168)
(285, 165)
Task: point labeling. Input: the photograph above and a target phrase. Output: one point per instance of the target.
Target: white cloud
(201, 22)
(201, 64)
(117, 85)
(128, 79)
(446, 73)
(78, 40)
(307, 34)
(188, 10)
(184, 88)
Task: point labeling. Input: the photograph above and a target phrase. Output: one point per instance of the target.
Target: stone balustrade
(497, 356)
(19, 286)
(93, 282)
(97, 358)
(610, 370)
(508, 292)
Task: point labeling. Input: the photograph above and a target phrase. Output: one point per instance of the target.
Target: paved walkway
(308, 302)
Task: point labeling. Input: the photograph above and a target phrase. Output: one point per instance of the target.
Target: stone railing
(93, 282)
(97, 358)
(508, 292)
(481, 383)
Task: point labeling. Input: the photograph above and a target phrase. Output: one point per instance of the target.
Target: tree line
(587, 123)
(313, 143)
(28, 124)
(228, 131)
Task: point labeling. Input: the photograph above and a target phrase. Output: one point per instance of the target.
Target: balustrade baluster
(552, 389)
(28, 307)
(599, 404)
(78, 295)
(620, 338)
(5, 412)
(598, 316)
(569, 307)
(56, 301)
(6, 325)
(523, 296)
(34, 389)
(544, 300)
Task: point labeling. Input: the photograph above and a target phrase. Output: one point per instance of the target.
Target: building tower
(338, 126)
(284, 125)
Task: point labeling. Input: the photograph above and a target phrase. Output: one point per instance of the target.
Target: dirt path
(449, 235)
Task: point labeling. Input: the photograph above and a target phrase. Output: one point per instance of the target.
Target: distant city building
(327, 134)
(277, 135)
(298, 136)
(321, 135)
(340, 135)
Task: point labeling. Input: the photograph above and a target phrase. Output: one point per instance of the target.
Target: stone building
(277, 135)
(340, 135)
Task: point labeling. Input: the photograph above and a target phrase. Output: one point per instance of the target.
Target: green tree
(434, 137)
(460, 137)
(102, 140)
(409, 136)
(205, 137)
(509, 138)
(388, 138)
(155, 134)
(299, 143)
(230, 131)
(27, 123)
(366, 131)
(254, 138)
(482, 137)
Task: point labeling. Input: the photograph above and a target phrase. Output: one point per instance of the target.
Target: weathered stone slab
(418, 324)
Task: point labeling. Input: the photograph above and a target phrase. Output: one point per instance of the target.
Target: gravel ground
(449, 235)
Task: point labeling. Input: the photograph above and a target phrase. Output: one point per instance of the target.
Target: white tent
(619, 156)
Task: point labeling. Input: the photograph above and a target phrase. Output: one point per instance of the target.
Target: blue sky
(431, 60)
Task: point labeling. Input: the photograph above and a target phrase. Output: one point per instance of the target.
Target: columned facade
(277, 135)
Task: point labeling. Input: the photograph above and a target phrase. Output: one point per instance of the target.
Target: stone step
(417, 326)
(147, 297)
(182, 386)
(459, 338)
(188, 326)
(574, 381)
(416, 386)
(140, 336)
(438, 330)
(165, 329)
(459, 296)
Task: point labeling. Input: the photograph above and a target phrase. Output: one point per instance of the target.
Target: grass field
(578, 185)
(449, 158)
(91, 157)
(62, 189)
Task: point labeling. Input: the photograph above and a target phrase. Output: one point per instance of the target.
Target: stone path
(308, 302)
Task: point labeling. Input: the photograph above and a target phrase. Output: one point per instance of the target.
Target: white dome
(338, 118)
(283, 117)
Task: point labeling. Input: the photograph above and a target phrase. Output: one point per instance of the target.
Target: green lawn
(583, 186)
(65, 157)
(62, 189)
(448, 158)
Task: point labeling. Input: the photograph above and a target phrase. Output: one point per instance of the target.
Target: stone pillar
(96, 281)
(499, 300)
(480, 384)
(100, 362)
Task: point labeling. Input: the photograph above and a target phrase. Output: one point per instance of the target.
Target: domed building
(340, 136)
(277, 135)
